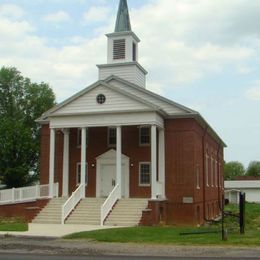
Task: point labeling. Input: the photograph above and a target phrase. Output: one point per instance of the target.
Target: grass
(171, 235)
(13, 224)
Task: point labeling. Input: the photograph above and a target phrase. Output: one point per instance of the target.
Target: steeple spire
(122, 51)
(123, 20)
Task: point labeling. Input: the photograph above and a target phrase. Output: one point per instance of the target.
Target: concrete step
(87, 212)
(51, 213)
(124, 217)
(49, 221)
(127, 212)
(121, 224)
(90, 223)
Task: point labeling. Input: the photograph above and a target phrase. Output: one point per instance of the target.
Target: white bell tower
(122, 51)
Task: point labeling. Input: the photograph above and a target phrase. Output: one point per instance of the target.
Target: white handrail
(71, 202)
(109, 203)
(25, 194)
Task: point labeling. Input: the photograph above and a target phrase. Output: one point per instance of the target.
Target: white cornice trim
(118, 34)
(131, 63)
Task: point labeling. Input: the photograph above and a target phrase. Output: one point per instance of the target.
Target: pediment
(109, 155)
(168, 106)
(116, 101)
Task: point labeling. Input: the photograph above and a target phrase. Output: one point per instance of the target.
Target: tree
(253, 169)
(21, 102)
(233, 169)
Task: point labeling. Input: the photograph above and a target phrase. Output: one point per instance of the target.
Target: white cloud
(186, 41)
(11, 11)
(253, 93)
(57, 17)
(11, 30)
(68, 69)
(96, 14)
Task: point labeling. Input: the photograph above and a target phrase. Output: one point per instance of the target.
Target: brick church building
(116, 139)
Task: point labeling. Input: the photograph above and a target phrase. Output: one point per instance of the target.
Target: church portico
(125, 160)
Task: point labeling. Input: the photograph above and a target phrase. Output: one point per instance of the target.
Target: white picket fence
(27, 194)
(72, 202)
(109, 203)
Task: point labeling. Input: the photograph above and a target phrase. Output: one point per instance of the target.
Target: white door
(108, 179)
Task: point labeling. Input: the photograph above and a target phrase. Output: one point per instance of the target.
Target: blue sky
(202, 54)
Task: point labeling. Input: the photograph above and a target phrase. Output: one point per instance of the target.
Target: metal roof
(242, 184)
(123, 20)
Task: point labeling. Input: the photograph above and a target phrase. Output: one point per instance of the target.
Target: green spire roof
(123, 20)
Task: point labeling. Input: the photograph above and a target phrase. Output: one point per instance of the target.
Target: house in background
(248, 184)
(118, 154)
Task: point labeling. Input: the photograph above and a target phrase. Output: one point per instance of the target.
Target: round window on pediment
(101, 99)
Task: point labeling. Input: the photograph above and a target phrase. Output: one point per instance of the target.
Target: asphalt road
(45, 257)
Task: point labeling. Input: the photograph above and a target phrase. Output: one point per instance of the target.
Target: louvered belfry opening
(119, 49)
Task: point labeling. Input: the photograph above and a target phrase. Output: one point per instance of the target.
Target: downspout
(203, 159)
(220, 202)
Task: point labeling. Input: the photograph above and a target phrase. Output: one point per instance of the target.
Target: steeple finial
(123, 20)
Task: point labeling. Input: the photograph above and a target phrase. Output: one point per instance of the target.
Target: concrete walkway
(55, 231)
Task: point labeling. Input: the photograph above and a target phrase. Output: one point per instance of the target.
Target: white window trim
(140, 144)
(78, 166)
(207, 169)
(139, 175)
(216, 173)
(198, 177)
(108, 131)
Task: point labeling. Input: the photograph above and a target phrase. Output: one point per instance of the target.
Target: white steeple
(122, 51)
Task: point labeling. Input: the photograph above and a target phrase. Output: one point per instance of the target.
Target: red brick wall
(27, 211)
(59, 160)
(169, 213)
(44, 154)
(184, 157)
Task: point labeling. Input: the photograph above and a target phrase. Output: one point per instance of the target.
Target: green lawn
(171, 235)
(13, 224)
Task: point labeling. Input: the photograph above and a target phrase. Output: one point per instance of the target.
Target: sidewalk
(53, 231)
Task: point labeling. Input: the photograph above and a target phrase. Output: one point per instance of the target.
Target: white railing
(72, 202)
(27, 193)
(109, 203)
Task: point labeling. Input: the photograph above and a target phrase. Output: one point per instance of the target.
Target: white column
(52, 162)
(65, 178)
(119, 158)
(83, 157)
(154, 161)
(162, 161)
